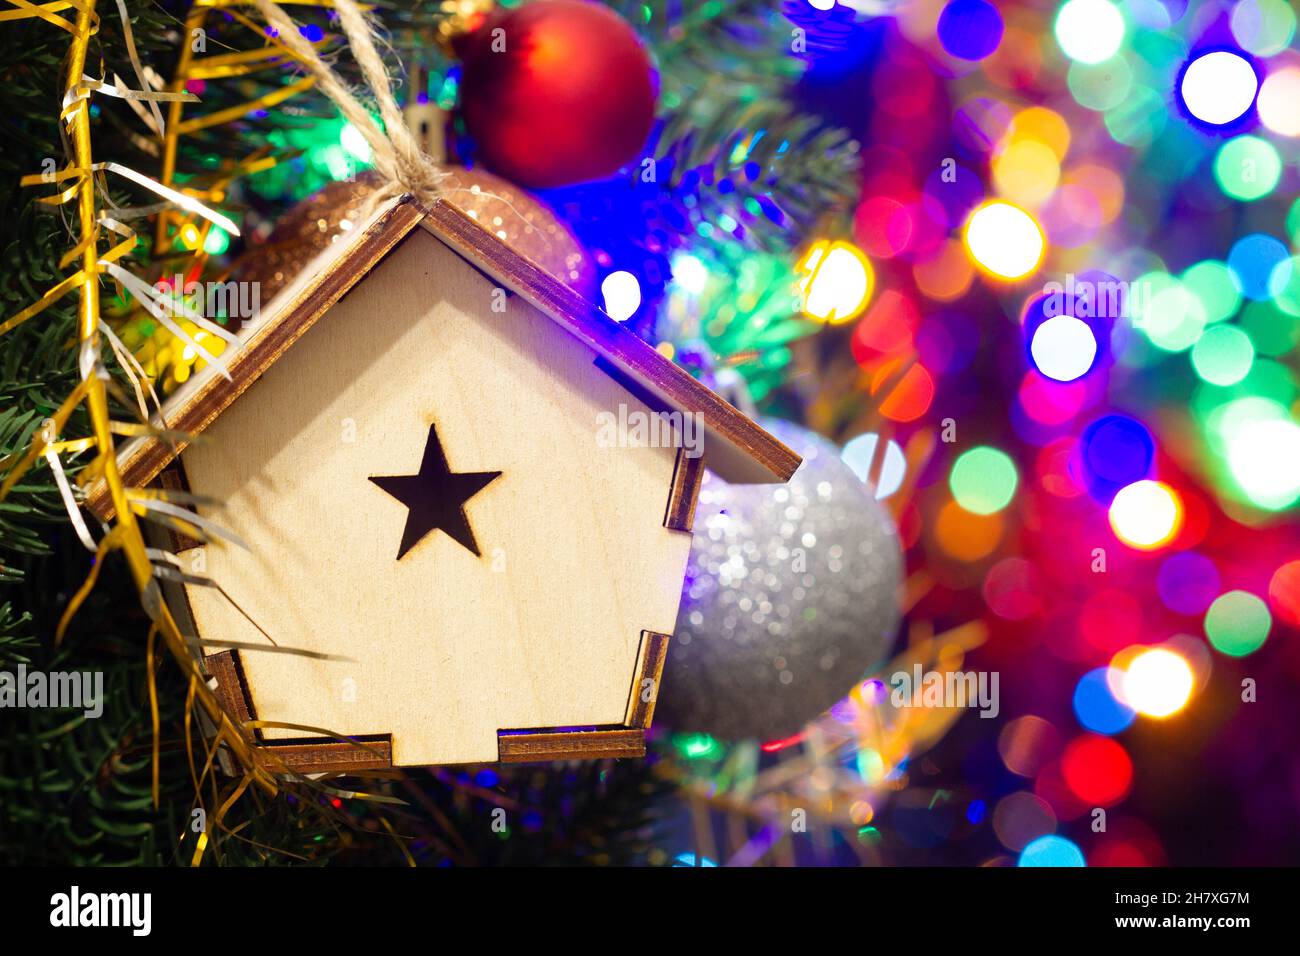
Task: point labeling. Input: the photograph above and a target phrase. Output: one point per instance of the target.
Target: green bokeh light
(1271, 330)
(1214, 284)
(1170, 315)
(1263, 27)
(1100, 86)
(1261, 445)
(983, 480)
(1139, 119)
(697, 746)
(1247, 168)
(217, 241)
(1223, 355)
(1271, 381)
(1237, 623)
(1284, 285)
(1224, 418)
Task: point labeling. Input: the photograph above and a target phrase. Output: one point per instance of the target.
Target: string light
(622, 295)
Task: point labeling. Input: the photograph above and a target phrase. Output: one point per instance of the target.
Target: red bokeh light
(1284, 593)
(1097, 770)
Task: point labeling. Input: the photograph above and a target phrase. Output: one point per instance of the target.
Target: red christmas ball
(556, 92)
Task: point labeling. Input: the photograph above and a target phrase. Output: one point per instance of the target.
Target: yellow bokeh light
(1157, 682)
(1026, 171)
(837, 281)
(1004, 240)
(1046, 126)
(1146, 515)
(946, 275)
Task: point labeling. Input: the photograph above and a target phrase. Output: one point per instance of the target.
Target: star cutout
(436, 497)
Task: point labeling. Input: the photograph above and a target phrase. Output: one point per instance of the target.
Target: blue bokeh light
(1096, 707)
(970, 29)
(1051, 850)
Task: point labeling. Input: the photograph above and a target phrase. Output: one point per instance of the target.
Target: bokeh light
(1237, 623)
(1284, 592)
(883, 471)
(970, 29)
(1172, 318)
(1247, 168)
(1252, 260)
(1026, 745)
(1278, 96)
(1146, 514)
(1051, 850)
(1157, 682)
(1284, 285)
(965, 535)
(1095, 704)
(1215, 287)
(1264, 459)
(1022, 817)
(1005, 240)
(983, 480)
(1026, 171)
(1223, 355)
(1263, 27)
(1089, 31)
(1097, 769)
(1115, 450)
(1063, 348)
(1218, 87)
(837, 281)
(906, 399)
(1188, 582)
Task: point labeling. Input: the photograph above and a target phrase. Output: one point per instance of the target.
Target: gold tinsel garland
(122, 530)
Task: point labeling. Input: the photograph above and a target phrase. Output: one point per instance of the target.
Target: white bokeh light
(1157, 683)
(1005, 240)
(860, 455)
(1146, 514)
(1089, 31)
(1063, 348)
(1219, 87)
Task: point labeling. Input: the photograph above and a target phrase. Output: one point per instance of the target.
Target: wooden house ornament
(408, 445)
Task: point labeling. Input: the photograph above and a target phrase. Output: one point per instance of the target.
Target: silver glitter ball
(791, 597)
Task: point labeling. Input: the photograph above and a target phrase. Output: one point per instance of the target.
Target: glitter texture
(791, 596)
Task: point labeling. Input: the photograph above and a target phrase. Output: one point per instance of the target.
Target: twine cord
(396, 154)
